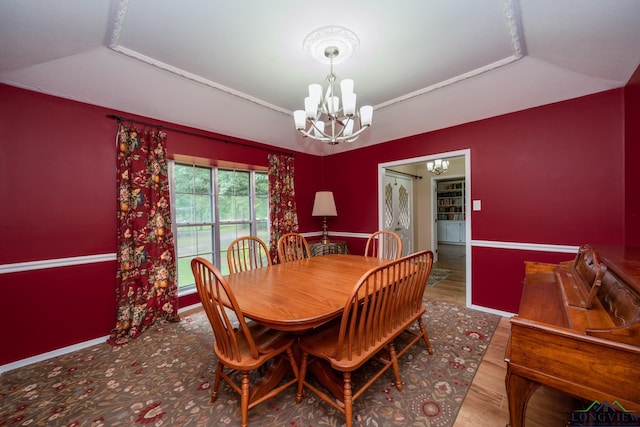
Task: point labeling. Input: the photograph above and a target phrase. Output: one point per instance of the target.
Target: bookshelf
(451, 212)
(450, 197)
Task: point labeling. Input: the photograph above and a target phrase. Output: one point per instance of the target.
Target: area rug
(163, 379)
(437, 275)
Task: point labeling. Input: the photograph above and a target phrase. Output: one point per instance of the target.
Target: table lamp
(324, 206)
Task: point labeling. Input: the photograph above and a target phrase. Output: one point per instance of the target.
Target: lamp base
(325, 236)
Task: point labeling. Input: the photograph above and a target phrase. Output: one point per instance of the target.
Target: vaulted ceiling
(238, 67)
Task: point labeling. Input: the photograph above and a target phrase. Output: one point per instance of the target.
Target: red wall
(58, 199)
(632, 160)
(57, 178)
(553, 175)
(548, 175)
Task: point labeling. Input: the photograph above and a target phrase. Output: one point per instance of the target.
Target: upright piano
(578, 330)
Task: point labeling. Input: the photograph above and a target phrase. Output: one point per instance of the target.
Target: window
(212, 207)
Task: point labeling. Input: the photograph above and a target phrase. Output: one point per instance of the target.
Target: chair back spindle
(246, 253)
(293, 247)
(382, 304)
(384, 244)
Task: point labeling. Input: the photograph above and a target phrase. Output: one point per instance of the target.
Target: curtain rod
(187, 132)
(404, 173)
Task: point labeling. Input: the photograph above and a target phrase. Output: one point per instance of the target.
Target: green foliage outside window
(242, 200)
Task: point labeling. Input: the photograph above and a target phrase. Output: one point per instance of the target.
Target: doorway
(449, 211)
(423, 207)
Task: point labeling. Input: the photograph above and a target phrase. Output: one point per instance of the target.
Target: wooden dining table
(298, 296)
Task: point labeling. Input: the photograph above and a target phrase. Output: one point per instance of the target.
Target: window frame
(216, 249)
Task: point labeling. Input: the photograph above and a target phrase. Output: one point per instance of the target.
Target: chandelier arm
(333, 120)
(338, 139)
(344, 120)
(312, 136)
(317, 129)
(325, 137)
(356, 134)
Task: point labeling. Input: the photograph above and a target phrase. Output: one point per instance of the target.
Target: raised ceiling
(238, 67)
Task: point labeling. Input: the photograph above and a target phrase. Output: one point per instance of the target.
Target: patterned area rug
(162, 379)
(437, 275)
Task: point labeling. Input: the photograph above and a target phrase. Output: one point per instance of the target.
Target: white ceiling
(238, 67)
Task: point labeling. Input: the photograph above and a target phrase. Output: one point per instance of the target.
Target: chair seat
(268, 341)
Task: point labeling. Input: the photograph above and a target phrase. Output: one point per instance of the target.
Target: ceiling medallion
(345, 40)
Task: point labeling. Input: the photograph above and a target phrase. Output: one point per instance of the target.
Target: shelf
(450, 200)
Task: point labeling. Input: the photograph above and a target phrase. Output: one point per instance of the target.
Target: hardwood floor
(486, 402)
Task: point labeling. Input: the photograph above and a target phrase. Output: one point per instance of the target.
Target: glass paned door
(398, 193)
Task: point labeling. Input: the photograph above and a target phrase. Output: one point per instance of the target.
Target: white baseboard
(55, 353)
(491, 310)
(65, 350)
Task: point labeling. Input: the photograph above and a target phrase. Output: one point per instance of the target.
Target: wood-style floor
(486, 402)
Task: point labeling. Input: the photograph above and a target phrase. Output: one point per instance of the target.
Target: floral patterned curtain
(146, 288)
(282, 200)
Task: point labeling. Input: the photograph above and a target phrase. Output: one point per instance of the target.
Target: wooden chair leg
(301, 376)
(244, 398)
(396, 366)
(423, 330)
(216, 382)
(348, 402)
(292, 361)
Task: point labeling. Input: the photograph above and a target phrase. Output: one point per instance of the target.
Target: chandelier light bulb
(349, 103)
(346, 87)
(348, 128)
(315, 92)
(299, 117)
(311, 107)
(366, 115)
(318, 129)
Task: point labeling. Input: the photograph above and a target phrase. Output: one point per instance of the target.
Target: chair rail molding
(54, 263)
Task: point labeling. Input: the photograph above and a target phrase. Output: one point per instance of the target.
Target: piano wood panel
(553, 343)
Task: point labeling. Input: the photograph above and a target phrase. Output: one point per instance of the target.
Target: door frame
(468, 223)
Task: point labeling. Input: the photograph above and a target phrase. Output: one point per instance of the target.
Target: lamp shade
(324, 205)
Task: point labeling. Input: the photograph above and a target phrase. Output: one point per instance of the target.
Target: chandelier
(328, 117)
(438, 166)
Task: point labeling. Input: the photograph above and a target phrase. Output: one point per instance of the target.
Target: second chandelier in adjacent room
(438, 166)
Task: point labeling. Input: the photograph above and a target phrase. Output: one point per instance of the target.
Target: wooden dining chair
(247, 253)
(293, 247)
(243, 347)
(384, 244)
(417, 308)
(382, 305)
